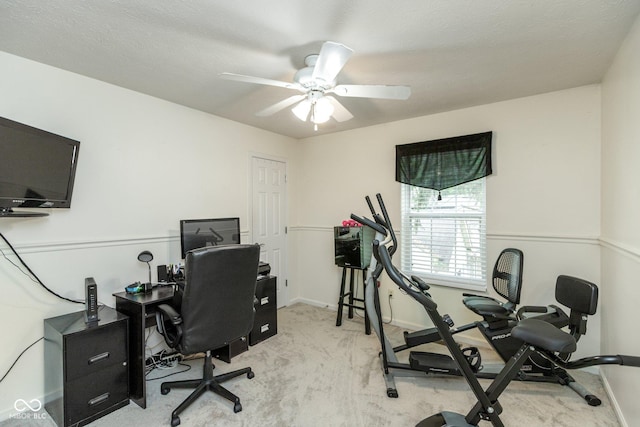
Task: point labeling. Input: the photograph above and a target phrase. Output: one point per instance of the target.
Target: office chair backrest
(507, 274)
(217, 305)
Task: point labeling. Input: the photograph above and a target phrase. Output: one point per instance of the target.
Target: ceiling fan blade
(333, 56)
(373, 91)
(280, 105)
(258, 80)
(340, 113)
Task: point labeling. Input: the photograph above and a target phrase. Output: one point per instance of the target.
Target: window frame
(477, 284)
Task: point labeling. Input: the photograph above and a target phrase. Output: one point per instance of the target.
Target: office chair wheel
(236, 408)
(166, 390)
(250, 374)
(175, 421)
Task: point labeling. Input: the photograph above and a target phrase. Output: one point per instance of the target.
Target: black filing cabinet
(265, 323)
(86, 366)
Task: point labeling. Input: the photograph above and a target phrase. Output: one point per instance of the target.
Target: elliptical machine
(537, 336)
(421, 363)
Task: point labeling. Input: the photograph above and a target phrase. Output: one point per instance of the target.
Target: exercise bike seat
(487, 307)
(507, 282)
(544, 336)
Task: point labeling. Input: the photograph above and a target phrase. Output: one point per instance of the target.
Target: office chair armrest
(167, 316)
(170, 314)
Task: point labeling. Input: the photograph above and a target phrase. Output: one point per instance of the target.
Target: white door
(269, 201)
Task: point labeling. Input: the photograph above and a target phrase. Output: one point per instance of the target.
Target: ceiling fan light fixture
(317, 83)
(302, 110)
(321, 111)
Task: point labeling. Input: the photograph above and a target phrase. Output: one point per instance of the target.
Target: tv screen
(199, 233)
(37, 168)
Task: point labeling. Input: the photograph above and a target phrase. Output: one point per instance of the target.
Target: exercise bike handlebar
(585, 362)
(630, 360)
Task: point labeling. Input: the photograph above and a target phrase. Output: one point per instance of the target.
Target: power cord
(390, 312)
(33, 276)
(188, 368)
(18, 358)
(35, 279)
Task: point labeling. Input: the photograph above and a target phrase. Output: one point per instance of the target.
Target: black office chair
(217, 308)
(507, 282)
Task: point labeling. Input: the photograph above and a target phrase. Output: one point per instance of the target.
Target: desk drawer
(94, 349)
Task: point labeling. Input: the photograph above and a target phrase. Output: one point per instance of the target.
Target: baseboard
(612, 398)
(313, 303)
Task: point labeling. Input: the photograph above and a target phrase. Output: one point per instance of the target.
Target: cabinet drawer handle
(99, 399)
(264, 301)
(98, 357)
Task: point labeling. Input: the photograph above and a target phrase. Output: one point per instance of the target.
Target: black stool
(352, 299)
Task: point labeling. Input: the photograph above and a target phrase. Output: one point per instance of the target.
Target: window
(444, 241)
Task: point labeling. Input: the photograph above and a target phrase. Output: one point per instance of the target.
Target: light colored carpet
(313, 373)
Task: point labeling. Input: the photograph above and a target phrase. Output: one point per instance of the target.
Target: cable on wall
(33, 275)
(18, 358)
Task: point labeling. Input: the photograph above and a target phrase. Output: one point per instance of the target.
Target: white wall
(144, 164)
(544, 195)
(620, 293)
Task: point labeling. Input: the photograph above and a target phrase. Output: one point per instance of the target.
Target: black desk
(141, 309)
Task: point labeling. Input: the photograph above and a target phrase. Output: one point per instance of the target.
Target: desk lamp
(146, 256)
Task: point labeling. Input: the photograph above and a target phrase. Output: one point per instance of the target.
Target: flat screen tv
(199, 233)
(37, 168)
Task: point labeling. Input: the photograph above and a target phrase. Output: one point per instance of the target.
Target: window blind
(444, 240)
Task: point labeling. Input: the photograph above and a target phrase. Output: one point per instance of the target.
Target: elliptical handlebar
(377, 218)
(389, 227)
(366, 221)
(373, 211)
(419, 295)
(382, 225)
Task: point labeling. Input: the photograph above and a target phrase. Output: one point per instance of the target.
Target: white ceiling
(452, 53)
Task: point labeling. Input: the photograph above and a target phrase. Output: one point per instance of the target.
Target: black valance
(444, 163)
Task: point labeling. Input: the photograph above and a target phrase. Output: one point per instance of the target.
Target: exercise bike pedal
(433, 362)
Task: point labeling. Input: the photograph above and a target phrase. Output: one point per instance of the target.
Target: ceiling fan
(317, 81)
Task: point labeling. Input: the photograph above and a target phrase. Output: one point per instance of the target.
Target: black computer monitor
(199, 233)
